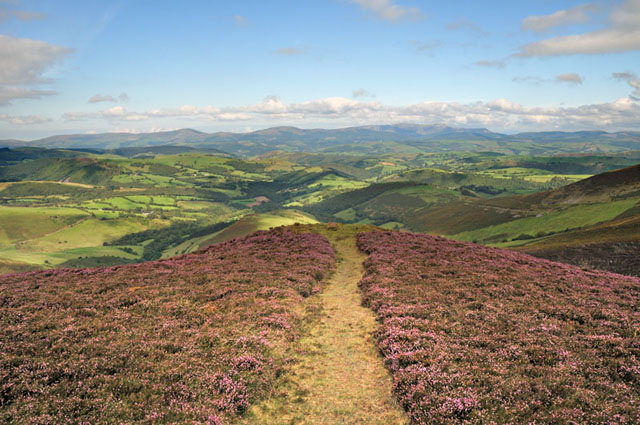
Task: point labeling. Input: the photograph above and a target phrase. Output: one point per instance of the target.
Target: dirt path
(339, 377)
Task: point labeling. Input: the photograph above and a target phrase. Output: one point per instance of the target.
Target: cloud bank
(561, 18)
(10, 11)
(23, 63)
(24, 119)
(621, 35)
(569, 78)
(97, 98)
(289, 51)
(499, 114)
(388, 10)
(633, 80)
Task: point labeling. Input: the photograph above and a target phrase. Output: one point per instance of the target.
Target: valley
(317, 287)
(350, 212)
(92, 207)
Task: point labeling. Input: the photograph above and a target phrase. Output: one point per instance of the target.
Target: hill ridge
(414, 136)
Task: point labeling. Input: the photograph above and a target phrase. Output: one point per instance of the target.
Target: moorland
(373, 275)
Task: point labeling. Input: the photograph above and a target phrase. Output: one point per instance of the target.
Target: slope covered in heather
(193, 339)
(478, 335)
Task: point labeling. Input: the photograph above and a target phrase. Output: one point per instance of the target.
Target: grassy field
(88, 233)
(533, 174)
(255, 222)
(54, 205)
(554, 222)
(26, 223)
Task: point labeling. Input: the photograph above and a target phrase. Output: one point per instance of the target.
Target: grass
(216, 208)
(96, 205)
(139, 199)
(535, 175)
(334, 181)
(348, 215)
(255, 222)
(24, 223)
(88, 233)
(338, 376)
(570, 178)
(122, 203)
(14, 260)
(13, 266)
(557, 221)
(429, 194)
(331, 186)
(163, 200)
(150, 180)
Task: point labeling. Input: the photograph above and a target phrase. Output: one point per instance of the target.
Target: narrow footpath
(339, 377)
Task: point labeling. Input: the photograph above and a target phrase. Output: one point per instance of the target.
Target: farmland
(335, 212)
(75, 208)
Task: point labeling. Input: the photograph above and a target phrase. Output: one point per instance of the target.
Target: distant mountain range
(365, 139)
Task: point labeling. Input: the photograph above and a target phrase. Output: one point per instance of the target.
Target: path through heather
(339, 377)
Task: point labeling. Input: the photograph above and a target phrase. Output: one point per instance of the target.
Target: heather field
(477, 335)
(193, 339)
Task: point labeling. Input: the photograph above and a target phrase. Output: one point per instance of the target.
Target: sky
(152, 65)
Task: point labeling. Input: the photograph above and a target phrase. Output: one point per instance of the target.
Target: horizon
(70, 67)
(308, 129)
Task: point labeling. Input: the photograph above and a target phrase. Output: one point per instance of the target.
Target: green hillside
(96, 207)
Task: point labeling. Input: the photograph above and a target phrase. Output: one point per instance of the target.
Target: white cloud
(23, 63)
(7, 94)
(24, 119)
(499, 114)
(240, 21)
(569, 78)
(464, 24)
(362, 93)
(97, 98)
(389, 10)
(8, 10)
(24, 15)
(289, 51)
(528, 79)
(428, 47)
(631, 79)
(490, 63)
(576, 15)
(621, 35)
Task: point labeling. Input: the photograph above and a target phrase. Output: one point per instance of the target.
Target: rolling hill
(608, 194)
(594, 222)
(476, 335)
(194, 339)
(257, 330)
(175, 198)
(364, 139)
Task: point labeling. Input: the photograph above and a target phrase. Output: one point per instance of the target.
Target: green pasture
(25, 223)
(88, 233)
(556, 221)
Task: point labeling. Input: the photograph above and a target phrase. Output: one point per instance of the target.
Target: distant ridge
(406, 137)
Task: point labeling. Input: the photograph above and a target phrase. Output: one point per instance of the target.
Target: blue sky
(139, 65)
